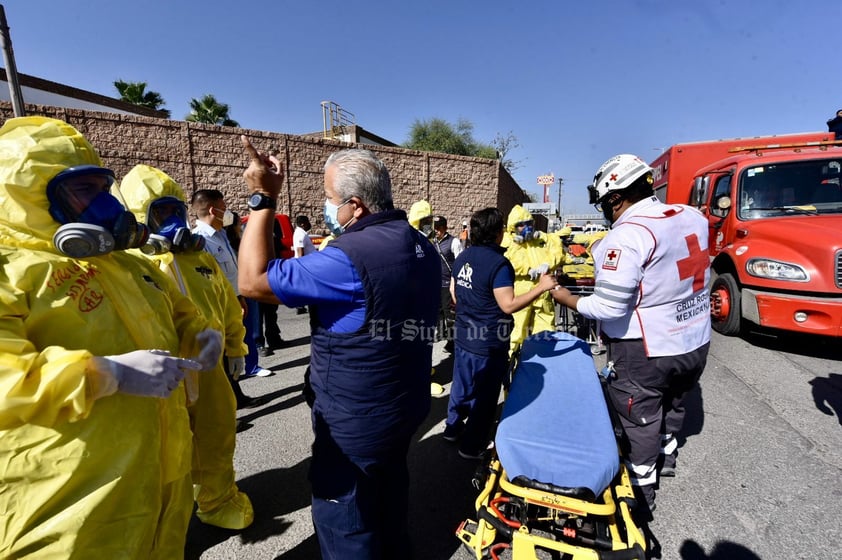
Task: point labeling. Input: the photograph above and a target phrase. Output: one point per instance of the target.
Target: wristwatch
(259, 201)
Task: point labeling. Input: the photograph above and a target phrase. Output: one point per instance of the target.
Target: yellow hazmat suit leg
(213, 419)
(213, 415)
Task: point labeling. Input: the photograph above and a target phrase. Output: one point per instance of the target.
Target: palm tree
(209, 111)
(136, 94)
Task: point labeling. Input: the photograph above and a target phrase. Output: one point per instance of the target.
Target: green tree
(438, 135)
(136, 94)
(210, 111)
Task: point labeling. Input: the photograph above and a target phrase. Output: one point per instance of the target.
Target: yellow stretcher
(555, 481)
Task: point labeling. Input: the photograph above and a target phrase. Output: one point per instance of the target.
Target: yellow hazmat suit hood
(33, 150)
(517, 215)
(144, 184)
(418, 212)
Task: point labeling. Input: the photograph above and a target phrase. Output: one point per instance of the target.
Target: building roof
(38, 91)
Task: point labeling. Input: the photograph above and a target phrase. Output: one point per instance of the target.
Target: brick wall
(203, 156)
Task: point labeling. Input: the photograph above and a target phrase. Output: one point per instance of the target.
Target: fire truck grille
(839, 269)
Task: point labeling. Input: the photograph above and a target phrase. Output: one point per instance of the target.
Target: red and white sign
(546, 180)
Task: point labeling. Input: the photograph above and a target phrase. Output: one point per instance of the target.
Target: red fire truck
(774, 207)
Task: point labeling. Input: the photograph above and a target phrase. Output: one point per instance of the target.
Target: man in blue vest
(373, 296)
(448, 248)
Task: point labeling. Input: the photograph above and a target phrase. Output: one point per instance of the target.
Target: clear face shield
(165, 213)
(76, 195)
(93, 220)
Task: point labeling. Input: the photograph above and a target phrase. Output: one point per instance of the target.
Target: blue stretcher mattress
(555, 427)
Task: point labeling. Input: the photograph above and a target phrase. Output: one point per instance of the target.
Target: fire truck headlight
(776, 270)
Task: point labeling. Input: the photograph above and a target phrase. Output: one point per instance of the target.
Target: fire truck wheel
(726, 316)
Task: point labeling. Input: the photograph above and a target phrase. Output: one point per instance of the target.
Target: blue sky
(575, 81)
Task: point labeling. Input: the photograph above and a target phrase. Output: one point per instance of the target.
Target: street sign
(546, 181)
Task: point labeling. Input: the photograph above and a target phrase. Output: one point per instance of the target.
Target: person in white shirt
(300, 239)
(302, 245)
(651, 294)
(212, 215)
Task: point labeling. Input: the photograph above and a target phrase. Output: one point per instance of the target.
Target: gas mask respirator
(171, 235)
(527, 233)
(92, 224)
(425, 226)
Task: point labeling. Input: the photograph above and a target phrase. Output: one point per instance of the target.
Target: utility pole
(11, 70)
(560, 183)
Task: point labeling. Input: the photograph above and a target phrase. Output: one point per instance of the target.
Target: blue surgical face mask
(331, 219)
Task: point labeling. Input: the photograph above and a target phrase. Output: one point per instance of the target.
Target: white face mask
(227, 218)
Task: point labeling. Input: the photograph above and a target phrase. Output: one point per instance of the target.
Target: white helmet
(616, 174)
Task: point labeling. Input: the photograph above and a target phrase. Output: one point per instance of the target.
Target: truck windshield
(802, 187)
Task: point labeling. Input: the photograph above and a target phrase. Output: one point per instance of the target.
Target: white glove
(236, 367)
(211, 343)
(534, 273)
(148, 373)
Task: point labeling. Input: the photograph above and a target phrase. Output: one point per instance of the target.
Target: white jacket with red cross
(652, 273)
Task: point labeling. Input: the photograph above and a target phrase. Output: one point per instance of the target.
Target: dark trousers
(250, 321)
(477, 381)
(648, 395)
(360, 504)
(446, 316)
(267, 332)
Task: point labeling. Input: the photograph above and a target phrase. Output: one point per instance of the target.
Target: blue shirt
(326, 279)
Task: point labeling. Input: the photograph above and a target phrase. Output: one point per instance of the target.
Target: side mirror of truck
(721, 206)
(698, 194)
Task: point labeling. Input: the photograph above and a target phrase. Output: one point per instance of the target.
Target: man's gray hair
(359, 173)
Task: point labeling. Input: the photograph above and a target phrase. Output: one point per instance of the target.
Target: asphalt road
(759, 474)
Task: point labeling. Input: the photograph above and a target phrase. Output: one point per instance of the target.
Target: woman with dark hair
(483, 287)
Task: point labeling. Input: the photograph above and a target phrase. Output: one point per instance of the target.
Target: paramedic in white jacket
(652, 272)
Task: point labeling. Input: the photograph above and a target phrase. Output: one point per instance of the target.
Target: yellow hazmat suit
(418, 211)
(84, 475)
(578, 260)
(540, 253)
(214, 415)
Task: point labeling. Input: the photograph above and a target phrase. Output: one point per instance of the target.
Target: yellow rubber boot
(235, 514)
(435, 388)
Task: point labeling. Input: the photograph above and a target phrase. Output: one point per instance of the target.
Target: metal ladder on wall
(336, 120)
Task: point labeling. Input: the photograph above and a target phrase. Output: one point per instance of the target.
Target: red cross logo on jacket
(695, 264)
